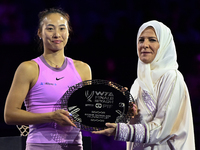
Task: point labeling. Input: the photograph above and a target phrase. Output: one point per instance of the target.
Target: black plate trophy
(92, 103)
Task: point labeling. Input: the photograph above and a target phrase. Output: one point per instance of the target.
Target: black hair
(45, 13)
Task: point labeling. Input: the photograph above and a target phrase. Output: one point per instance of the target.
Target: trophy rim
(65, 99)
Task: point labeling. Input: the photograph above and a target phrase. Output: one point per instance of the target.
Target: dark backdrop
(104, 36)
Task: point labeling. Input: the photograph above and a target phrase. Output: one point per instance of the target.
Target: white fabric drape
(166, 58)
(169, 123)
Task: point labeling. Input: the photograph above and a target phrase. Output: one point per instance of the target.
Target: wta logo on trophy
(99, 96)
(94, 102)
(89, 96)
(99, 99)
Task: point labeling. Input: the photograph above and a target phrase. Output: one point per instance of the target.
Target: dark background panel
(104, 36)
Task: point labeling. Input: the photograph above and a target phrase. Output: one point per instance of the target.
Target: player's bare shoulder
(80, 64)
(28, 66)
(28, 70)
(83, 69)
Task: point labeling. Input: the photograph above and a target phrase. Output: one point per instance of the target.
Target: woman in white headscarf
(161, 95)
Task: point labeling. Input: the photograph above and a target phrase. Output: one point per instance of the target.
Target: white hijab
(166, 59)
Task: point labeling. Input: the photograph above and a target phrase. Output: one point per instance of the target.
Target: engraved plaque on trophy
(92, 103)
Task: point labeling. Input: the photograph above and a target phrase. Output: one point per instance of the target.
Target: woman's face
(54, 32)
(148, 45)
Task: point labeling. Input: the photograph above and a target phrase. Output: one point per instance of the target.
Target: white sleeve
(170, 107)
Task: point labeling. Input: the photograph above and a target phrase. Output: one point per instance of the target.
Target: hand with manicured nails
(62, 117)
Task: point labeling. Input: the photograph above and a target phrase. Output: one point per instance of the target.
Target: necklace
(52, 63)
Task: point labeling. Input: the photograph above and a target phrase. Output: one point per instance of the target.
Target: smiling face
(54, 32)
(148, 45)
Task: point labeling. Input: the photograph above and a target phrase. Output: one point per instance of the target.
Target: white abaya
(163, 99)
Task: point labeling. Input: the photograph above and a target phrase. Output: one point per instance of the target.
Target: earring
(40, 38)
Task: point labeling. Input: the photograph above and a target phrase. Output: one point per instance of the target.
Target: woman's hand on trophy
(132, 110)
(62, 117)
(110, 131)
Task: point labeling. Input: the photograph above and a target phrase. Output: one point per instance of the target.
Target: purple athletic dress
(52, 83)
